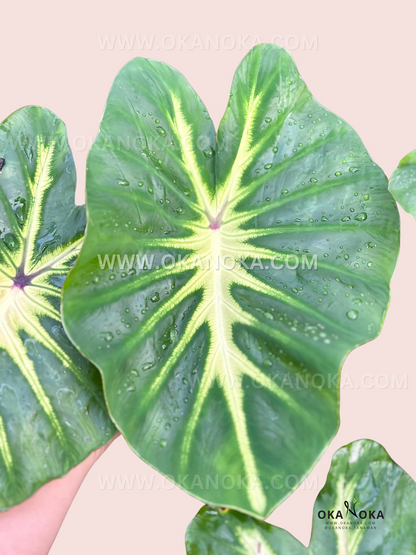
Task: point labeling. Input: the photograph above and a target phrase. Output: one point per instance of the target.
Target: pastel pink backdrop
(358, 60)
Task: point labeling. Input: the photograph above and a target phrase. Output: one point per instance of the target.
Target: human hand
(31, 527)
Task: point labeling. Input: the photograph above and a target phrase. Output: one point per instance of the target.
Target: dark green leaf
(402, 183)
(52, 411)
(383, 524)
(214, 373)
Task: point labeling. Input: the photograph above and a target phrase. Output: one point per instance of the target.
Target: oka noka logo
(353, 510)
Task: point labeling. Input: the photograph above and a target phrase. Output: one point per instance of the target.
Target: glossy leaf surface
(364, 478)
(225, 278)
(402, 184)
(52, 410)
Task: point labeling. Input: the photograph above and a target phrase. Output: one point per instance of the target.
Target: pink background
(359, 62)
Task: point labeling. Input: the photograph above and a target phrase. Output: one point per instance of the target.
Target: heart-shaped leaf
(365, 508)
(224, 280)
(52, 410)
(402, 183)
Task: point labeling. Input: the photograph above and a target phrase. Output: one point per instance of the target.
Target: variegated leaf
(227, 364)
(402, 184)
(52, 411)
(365, 508)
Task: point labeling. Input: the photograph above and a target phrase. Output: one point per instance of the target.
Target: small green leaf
(224, 368)
(384, 525)
(402, 183)
(52, 411)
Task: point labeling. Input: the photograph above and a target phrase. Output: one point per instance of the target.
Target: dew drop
(19, 208)
(209, 152)
(10, 240)
(352, 314)
(361, 217)
(148, 365)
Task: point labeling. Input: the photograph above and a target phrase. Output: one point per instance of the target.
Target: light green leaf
(382, 525)
(221, 372)
(52, 411)
(402, 183)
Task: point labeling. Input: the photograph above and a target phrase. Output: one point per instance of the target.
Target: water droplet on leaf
(352, 314)
(10, 240)
(361, 217)
(209, 152)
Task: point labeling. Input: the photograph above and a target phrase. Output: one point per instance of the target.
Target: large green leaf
(402, 183)
(371, 501)
(215, 374)
(52, 411)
